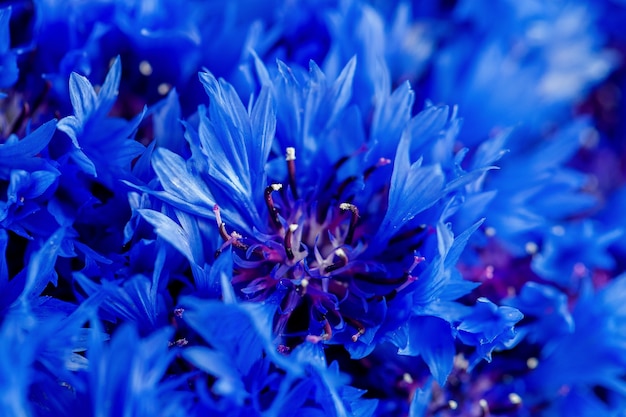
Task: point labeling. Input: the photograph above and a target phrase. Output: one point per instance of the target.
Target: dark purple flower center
(313, 259)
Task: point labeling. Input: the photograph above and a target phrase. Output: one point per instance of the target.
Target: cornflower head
(596, 344)
(536, 377)
(539, 58)
(343, 238)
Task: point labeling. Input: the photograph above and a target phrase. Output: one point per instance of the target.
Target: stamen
(407, 378)
(416, 261)
(283, 349)
(269, 201)
(328, 333)
(531, 248)
(145, 68)
(290, 158)
(340, 162)
(360, 329)
(532, 363)
(164, 88)
(288, 244)
(301, 289)
(359, 333)
(178, 312)
(515, 398)
(410, 280)
(353, 219)
(451, 405)
(178, 343)
(229, 239)
(381, 163)
(343, 260)
(220, 224)
(233, 239)
(485, 407)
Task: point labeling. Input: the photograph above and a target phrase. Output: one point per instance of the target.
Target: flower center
(311, 259)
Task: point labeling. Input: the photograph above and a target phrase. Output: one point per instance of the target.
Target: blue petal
(19, 152)
(109, 91)
(178, 181)
(431, 338)
(170, 231)
(83, 97)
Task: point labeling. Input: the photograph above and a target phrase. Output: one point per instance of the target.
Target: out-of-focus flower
(596, 345)
(539, 58)
(8, 58)
(572, 252)
(534, 190)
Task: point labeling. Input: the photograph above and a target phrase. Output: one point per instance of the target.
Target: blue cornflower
(546, 312)
(541, 59)
(582, 371)
(345, 244)
(572, 252)
(534, 190)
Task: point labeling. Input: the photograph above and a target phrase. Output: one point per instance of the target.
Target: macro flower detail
(345, 208)
(341, 254)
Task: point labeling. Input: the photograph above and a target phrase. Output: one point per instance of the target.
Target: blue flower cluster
(246, 209)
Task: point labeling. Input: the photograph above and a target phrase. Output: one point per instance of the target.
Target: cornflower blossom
(332, 249)
(319, 208)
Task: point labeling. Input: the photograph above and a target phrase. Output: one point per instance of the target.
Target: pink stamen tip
(283, 349)
(382, 162)
(218, 216)
(314, 339)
